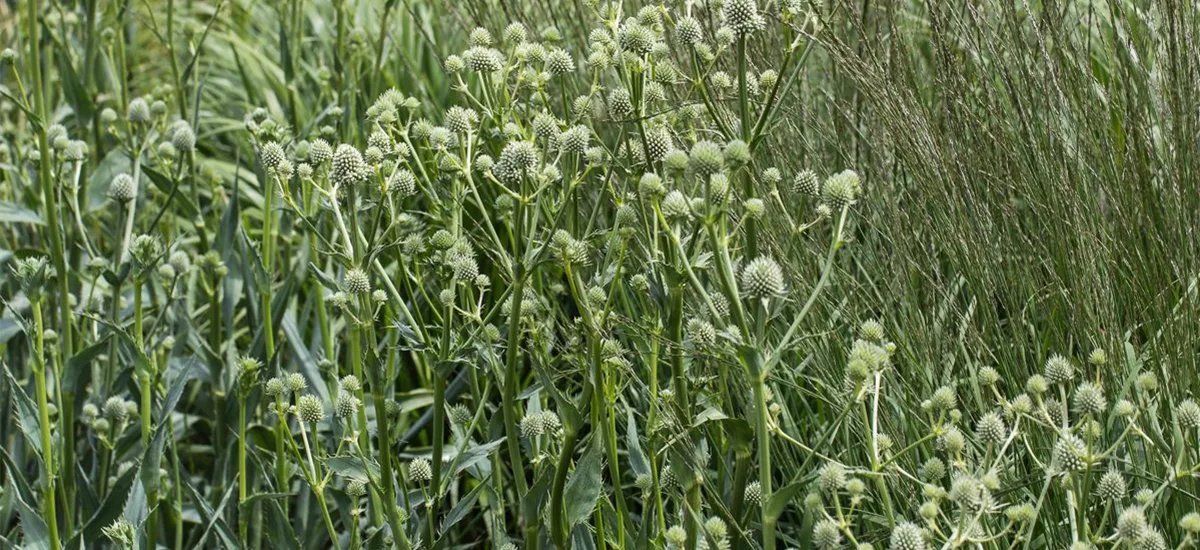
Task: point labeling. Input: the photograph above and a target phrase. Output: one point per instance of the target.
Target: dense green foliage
(717, 274)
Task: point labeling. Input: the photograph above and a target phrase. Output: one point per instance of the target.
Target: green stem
(48, 471)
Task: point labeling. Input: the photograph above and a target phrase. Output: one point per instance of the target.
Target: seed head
(347, 405)
(658, 142)
(480, 37)
(419, 470)
(356, 281)
(123, 189)
(754, 494)
(138, 112)
(706, 158)
(1089, 399)
(702, 332)
(349, 168)
(620, 105)
(319, 152)
(841, 189)
(991, 428)
(295, 382)
(907, 536)
(933, 469)
(1059, 369)
(483, 60)
(762, 278)
(944, 399)
(805, 183)
(515, 33)
(272, 155)
(1188, 413)
(1069, 453)
(309, 409)
(831, 478)
(559, 62)
(1152, 540)
(1131, 524)
(1111, 486)
(737, 153)
(688, 30)
(741, 16)
(827, 534)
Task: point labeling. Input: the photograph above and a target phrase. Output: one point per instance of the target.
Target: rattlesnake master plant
(568, 307)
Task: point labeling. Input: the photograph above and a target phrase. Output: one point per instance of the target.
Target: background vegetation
(1029, 188)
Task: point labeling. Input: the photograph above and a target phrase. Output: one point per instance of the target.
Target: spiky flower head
(742, 16)
(295, 382)
(1152, 540)
(1089, 399)
(182, 137)
(310, 409)
(658, 142)
(1190, 523)
(138, 112)
(988, 376)
(349, 168)
(762, 278)
(907, 536)
(706, 158)
(1059, 369)
(532, 425)
(274, 387)
(831, 477)
(754, 493)
(347, 405)
(480, 37)
(702, 332)
(319, 152)
(272, 155)
(1069, 453)
(805, 183)
(943, 399)
(676, 206)
(676, 536)
(483, 59)
(121, 533)
(356, 281)
(115, 410)
(871, 330)
(635, 37)
(559, 62)
(737, 153)
(1131, 524)
(620, 105)
(933, 469)
(991, 428)
(419, 470)
(1037, 384)
(688, 30)
(1188, 413)
(1111, 486)
(827, 534)
(841, 189)
(123, 189)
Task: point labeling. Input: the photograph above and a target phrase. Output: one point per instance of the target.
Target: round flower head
(1059, 369)
(559, 62)
(620, 105)
(1111, 486)
(347, 405)
(419, 470)
(515, 33)
(762, 278)
(1188, 413)
(1037, 384)
(675, 161)
(635, 37)
(1131, 524)
(274, 387)
(1191, 523)
(676, 536)
(115, 411)
(483, 60)
(1153, 540)
(1069, 453)
(991, 428)
(658, 142)
(122, 189)
(944, 399)
(349, 168)
(532, 426)
(627, 216)
(319, 152)
(907, 536)
(933, 469)
(295, 382)
(688, 30)
(183, 137)
(356, 281)
(480, 37)
(871, 330)
(460, 414)
(355, 488)
(827, 534)
(702, 332)
(706, 158)
(309, 409)
(138, 112)
(988, 376)
(754, 494)
(1098, 357)
(1089, 399)
(455, 64)
(841, 189)
(403, 182)
(675, 206)
(805, 183)
(831, 478)
(737, 153)
(272, 155)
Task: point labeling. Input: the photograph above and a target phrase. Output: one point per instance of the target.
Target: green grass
(351, 316)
